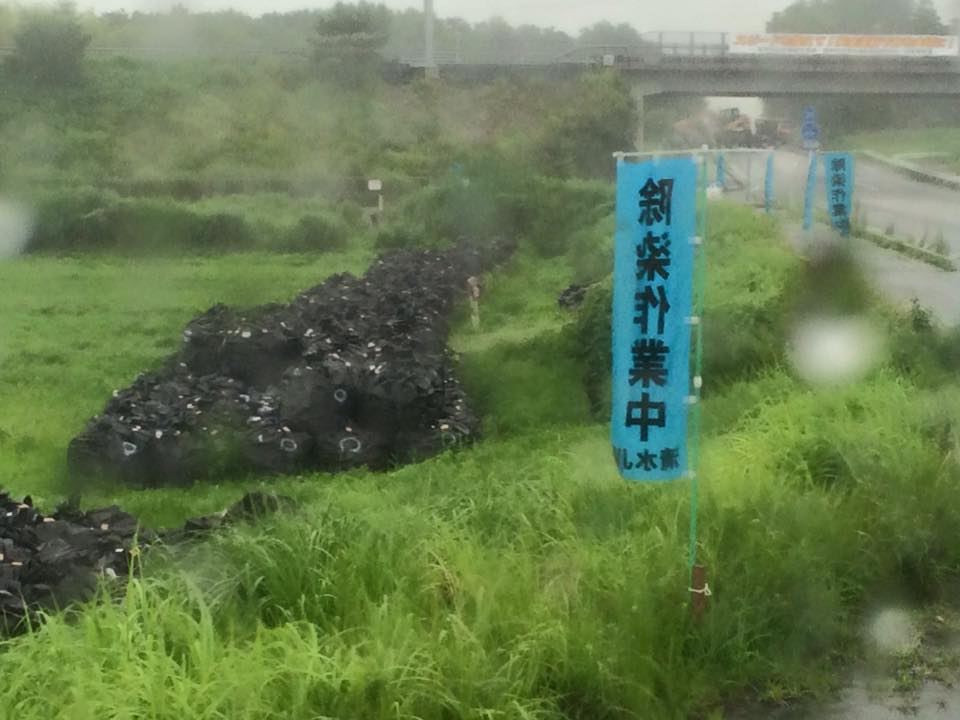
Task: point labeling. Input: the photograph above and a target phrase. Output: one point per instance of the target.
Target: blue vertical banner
(810, 130)
(652, 306)
(808, 200)
(768, 185)
(721, 170)
(839, 169)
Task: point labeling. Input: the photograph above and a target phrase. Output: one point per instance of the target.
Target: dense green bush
(520, 387)
(102, 222)
(591, 251)
(552, 211)
(922, 351)
(222, 231)
(748, 273)
(591, 343)
(316, 233)
(399, 236)
(490, 194)
(581, 138)
(50, 46)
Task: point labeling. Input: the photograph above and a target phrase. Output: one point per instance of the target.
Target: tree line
(401, 31)
(914, 17)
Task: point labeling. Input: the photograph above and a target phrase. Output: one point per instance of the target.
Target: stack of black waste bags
(48, 562)
(353, 372)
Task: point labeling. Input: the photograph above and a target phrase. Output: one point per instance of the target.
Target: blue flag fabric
(721, 170)
(652, 305)
(768, 185)
(839, 169)
(811, 190)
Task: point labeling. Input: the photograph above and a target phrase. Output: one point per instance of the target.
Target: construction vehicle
(730, 128)
(736, 129)
(773, 133)
(726, 128)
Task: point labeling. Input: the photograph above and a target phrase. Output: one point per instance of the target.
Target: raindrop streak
(834, 351)
(16, 224)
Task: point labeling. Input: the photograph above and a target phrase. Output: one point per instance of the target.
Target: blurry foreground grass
(519, 578)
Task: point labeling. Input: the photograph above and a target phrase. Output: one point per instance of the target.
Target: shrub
(554, 211)
(515, 391)
(57, 218)
(591, 251)
(50, 47)
(581, 140)
(399, 236)
(591, 339)
(222, 231)
(92, 221)
(316, 233)
(745, 320)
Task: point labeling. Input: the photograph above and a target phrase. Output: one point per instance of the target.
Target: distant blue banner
(810, 130)
(768, 185)
(839, 169)
(808, 200)
(652, 304)
(721, 170)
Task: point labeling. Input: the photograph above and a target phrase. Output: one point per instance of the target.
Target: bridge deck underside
(766, 76)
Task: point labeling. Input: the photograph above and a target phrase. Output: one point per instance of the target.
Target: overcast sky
(569, 15)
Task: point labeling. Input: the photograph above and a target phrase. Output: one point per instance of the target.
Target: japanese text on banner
(839, 182)
(652, 304)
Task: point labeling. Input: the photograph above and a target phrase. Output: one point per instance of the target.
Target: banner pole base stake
(699, 592)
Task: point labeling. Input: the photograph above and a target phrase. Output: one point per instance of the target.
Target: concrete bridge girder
(757, 83)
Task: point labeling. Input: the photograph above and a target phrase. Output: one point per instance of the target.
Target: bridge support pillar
(641, 139)
(640, 93)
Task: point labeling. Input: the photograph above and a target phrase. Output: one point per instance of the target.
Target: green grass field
(519, 578)
(945, 141)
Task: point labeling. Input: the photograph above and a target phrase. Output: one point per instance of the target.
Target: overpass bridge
(714, 64)
(683, 63)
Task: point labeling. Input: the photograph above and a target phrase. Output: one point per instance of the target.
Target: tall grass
(524, 579)
(519, 578)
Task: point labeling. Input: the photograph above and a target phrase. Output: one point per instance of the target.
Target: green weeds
(519, 578)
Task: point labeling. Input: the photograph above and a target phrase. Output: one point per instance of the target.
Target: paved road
(884, 197)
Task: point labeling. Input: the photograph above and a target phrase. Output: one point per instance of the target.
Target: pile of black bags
(354, 371)
(50, 562)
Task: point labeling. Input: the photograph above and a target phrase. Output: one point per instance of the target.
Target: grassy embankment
(945, 142)
(519, 578)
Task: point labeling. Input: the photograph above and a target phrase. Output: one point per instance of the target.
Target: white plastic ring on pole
(696, 240)
(693, 320)
(691, 474)
(691, 400)
(697, 382)
(449, 439)
(354, 443)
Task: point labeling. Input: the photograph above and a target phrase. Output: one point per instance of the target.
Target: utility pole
(429, 62)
